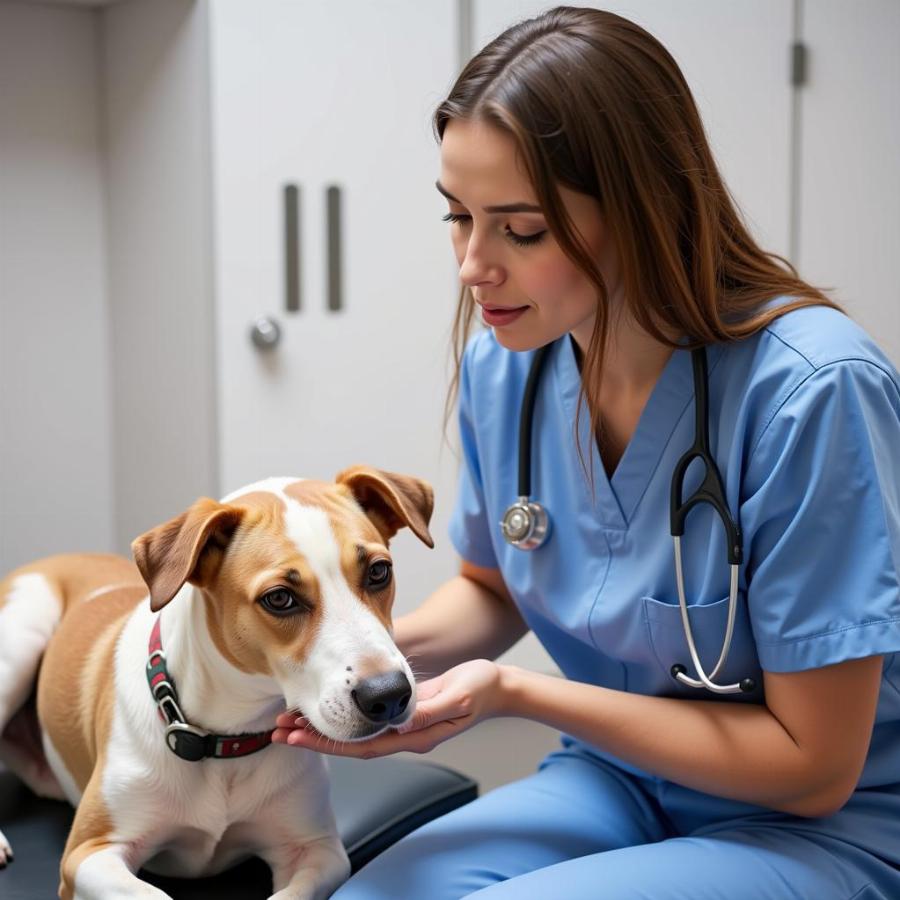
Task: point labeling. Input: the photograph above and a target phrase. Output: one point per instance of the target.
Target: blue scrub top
(805, 429)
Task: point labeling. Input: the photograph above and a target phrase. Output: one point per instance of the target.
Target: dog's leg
(314, 871)
(30, 609)
(94, 865)
(22, 753)
(102, 873)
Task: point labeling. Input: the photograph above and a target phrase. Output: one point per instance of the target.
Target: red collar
(183, 739)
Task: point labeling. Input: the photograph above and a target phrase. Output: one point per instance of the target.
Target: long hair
(597, 104)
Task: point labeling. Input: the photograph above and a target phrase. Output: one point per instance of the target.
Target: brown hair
(596, 103)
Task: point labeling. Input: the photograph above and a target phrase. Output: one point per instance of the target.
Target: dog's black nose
(384, 697)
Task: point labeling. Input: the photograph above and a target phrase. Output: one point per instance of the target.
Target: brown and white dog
(277, 597)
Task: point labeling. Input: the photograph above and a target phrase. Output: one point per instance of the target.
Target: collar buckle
(186, 741)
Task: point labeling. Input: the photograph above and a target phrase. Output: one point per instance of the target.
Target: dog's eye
(379, 575)
(281, 602)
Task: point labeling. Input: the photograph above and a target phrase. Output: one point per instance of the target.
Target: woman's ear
(186, 548)
(391, 501)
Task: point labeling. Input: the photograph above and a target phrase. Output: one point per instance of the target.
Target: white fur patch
(349, 632)
(27, 620)
(99, 592)
(6, 853)
(34, 602)
(310, 529)
(58, 767)
(267, 485)
(104, 874)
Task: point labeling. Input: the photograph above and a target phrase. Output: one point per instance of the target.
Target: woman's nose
(476, 268)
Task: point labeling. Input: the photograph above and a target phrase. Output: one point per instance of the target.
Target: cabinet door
(850, 172)
(735, 58)
(303, 95)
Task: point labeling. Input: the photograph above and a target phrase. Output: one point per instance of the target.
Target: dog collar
(183, 739)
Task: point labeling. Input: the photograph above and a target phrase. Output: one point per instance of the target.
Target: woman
(615, 243)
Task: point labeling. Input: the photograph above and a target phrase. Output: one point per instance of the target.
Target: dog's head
(297, 581)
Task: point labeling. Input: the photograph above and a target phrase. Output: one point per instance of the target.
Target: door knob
(265, 333)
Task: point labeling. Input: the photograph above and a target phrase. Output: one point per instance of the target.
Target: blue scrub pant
(581, 828)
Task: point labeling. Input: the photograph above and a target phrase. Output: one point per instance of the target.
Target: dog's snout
(384, 697)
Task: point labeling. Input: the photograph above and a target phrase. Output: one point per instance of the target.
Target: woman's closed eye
(523, 240)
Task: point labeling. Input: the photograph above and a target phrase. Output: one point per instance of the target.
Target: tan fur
(65, 695)
(391, 500)
(75, 690)
(90, 572)
(92, 829)
(267, 560)
(86, 837)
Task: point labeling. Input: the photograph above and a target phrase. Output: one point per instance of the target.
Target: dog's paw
(6, 854)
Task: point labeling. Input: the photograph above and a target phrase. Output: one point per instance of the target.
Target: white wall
(156, 139)
(107, 408)
(55, 474)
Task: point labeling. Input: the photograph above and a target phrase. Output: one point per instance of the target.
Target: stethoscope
(526, 524)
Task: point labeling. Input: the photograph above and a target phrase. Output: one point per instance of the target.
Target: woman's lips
(501, 315)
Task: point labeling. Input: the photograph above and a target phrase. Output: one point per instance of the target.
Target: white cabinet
(305, 97)
(848, 187)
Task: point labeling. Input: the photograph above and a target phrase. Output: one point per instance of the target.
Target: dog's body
(274, 598)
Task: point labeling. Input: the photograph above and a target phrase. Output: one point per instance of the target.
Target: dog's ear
(186, 548)
(391, 501)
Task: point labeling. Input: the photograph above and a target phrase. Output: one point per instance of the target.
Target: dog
(159, 683)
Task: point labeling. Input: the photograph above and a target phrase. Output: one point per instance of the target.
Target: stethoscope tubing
(526, 417)
(526, 523)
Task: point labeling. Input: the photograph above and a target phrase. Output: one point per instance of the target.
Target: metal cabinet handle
(291, 206)
(333, 227)
(265, 333)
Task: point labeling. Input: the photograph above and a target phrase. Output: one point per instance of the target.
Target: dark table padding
(376, 802)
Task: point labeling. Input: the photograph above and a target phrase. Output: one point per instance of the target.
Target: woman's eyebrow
(505, 208)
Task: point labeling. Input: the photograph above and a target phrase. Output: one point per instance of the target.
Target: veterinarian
(589, 218)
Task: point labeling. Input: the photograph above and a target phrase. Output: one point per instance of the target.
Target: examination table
(376, 802)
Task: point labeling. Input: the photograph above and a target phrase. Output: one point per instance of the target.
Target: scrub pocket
(708, 621)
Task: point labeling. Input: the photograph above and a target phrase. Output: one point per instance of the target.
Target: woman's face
(529, 291)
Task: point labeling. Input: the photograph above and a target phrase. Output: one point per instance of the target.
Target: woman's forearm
(735, 750)
(461, 620)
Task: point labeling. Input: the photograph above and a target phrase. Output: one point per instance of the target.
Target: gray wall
(55, 429)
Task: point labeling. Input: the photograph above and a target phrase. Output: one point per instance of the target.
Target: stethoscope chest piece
(525, 524)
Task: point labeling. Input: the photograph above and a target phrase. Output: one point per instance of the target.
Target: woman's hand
(445, 706)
